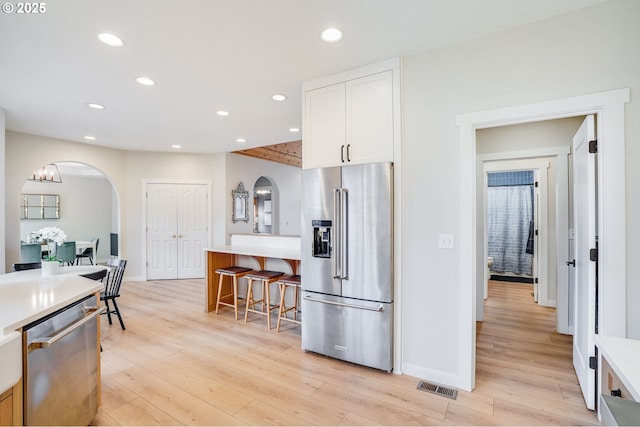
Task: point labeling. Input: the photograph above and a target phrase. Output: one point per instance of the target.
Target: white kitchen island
(25, 297)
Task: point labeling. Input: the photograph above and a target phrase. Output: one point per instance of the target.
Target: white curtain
(510, 211)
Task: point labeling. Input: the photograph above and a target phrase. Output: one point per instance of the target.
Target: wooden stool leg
(282, 291)
(219, 291)
(249, 300)
(295, 303)
(235, 294)
(265, 297)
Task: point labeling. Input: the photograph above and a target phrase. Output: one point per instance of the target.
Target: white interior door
(192, 230)
(584, 217)
(162, 222)
(177, 231)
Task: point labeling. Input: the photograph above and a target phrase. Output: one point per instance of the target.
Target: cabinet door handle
(342, 153)
(348, 152)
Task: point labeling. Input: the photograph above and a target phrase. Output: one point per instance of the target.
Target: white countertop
(257, 251)
(26, 296)
(623, 355)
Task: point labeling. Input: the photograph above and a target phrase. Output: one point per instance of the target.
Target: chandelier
(47, 173)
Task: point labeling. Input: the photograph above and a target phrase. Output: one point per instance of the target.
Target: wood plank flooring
(176, 365)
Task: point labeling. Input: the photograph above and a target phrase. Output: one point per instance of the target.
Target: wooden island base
(227, 256)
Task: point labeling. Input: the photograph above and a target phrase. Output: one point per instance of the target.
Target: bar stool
(288, 282)
(266, 277)
(234, 273)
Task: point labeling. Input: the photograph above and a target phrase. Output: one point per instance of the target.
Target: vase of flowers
(52, 237)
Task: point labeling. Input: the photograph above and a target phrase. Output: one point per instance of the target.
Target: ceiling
(210, 55)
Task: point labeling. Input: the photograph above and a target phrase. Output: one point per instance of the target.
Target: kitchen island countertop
(26, 296)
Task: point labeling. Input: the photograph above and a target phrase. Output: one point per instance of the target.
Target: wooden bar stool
(266, 277)
(234, 273)
(288, 282)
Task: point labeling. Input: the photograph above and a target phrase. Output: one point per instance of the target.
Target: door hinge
(593, 146)
(536, 232)
(535, 280)
(593, 362)
(593, 255)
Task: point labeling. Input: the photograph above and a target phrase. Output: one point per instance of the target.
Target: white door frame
(609, 109)
(143, 204)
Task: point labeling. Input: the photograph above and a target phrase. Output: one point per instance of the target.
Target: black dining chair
(21, 266)
(112, 288)
(97, 275)
(88, 252)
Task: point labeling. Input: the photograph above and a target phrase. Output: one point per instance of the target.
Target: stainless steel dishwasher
(61, 373)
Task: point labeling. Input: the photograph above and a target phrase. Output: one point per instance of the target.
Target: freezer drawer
(348, 329)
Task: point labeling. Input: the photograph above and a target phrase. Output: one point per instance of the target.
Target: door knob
(173, 236)
(572, 263)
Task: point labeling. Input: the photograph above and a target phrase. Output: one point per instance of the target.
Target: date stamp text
(24, 8)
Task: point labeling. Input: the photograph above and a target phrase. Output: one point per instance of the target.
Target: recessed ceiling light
(279, 97)
(90, 138)
(95, 106)
(145, 81)
(110, 39)
(294, 130)
(222, 113)
(176, 146)
(331, 35)
(241, 140)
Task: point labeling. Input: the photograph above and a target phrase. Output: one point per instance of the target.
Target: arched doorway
(80, 200)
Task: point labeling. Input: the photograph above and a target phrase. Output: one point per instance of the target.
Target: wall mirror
(240, 199)
(263, 206)
(39, 206)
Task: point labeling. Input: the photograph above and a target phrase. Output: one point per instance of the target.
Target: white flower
(48, 234)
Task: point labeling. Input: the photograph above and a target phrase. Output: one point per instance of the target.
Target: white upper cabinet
(351, 122)
(324, 130)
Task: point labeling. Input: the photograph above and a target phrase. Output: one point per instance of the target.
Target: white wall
(85, 210)
(547, 60)
(2, 185)
(285, 178)
(26, 153)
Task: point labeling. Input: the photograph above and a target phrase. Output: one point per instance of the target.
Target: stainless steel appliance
(61, 373)
(347, 263)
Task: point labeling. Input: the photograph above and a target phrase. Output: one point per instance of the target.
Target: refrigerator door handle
(344, 234)
(341, 304)
(335, 259)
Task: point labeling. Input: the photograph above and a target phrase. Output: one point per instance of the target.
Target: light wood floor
(176, 365)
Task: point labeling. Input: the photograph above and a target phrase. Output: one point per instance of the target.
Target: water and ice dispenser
(321, 238)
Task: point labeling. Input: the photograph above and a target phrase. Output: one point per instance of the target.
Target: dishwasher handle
(47, 342)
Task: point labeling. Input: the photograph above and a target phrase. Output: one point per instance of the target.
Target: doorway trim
(609, 109)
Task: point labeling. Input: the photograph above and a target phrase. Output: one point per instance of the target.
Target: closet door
(162, 222)
(177, 230)
(192, 230)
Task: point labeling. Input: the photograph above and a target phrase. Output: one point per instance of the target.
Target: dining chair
(112, 288)
(88, 252)
(97, 275)
(30, 252)
(66, 253)
(21, 266)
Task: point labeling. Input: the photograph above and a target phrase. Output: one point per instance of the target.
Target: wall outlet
(446, 241)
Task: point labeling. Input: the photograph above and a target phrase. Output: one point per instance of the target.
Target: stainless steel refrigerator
(347, 263)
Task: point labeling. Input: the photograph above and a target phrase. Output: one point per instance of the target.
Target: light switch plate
(446, 241)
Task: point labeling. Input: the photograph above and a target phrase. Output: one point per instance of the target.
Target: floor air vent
(449, 392)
